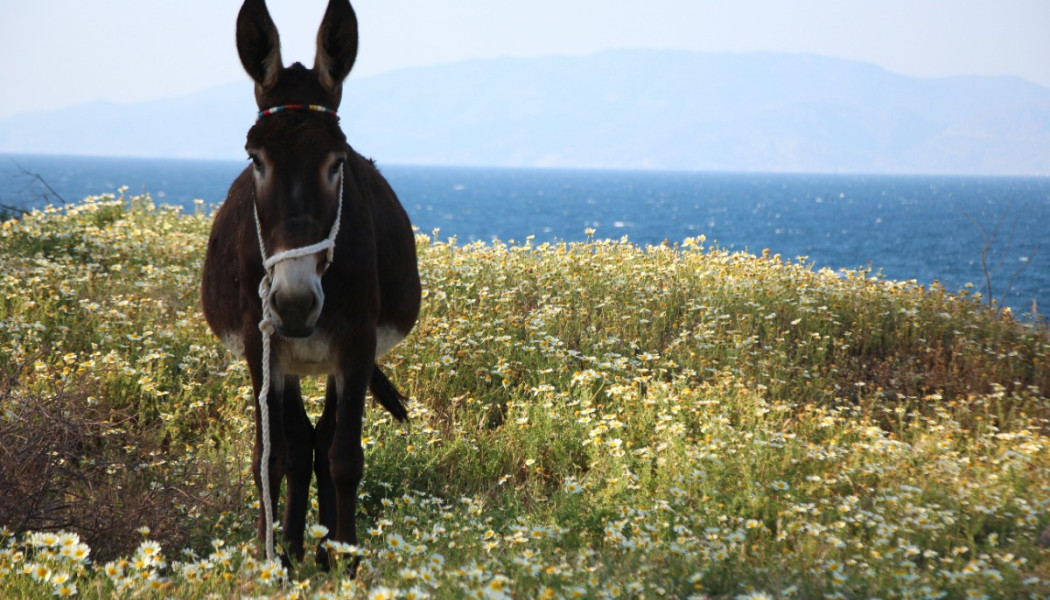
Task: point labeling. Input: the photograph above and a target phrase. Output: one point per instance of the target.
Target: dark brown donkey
(313, 247)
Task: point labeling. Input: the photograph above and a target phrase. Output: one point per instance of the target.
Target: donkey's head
(297, 152)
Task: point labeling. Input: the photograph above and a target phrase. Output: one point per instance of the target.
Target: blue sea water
(924, 228)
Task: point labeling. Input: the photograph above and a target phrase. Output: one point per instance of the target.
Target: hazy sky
(56, 53)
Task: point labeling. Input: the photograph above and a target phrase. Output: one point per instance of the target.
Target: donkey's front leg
(346, 457)
(323, 434)
(299, 436)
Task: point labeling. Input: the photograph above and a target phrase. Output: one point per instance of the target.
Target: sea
(949, 229)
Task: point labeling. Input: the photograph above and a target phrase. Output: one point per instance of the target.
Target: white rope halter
(266, 327)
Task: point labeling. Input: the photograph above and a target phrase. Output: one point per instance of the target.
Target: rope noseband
(266, 325)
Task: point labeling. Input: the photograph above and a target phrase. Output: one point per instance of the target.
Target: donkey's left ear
(336, 45)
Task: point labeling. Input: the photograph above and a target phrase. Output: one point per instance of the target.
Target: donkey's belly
(315, 355)
(386, 338)
(307, 356)
(233, 342)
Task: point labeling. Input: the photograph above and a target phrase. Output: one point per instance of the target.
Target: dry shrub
(68, 462)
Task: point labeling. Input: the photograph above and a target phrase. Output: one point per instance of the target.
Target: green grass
(587, 420)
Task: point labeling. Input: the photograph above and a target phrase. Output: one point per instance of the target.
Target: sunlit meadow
(588, 420)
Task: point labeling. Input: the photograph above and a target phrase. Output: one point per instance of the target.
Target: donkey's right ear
(258, 44)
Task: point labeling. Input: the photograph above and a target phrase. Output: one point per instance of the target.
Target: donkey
(310, 270)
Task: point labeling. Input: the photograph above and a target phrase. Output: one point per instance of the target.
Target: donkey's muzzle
(296, 297)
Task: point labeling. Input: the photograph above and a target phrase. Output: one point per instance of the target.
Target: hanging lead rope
(266, 327)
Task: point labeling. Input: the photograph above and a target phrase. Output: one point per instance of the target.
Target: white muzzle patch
(296, 296)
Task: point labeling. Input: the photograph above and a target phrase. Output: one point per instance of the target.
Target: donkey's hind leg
(299, 434)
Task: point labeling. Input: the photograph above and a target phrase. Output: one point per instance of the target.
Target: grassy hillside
(587, 420)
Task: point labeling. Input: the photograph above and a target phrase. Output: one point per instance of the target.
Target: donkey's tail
(387, 395)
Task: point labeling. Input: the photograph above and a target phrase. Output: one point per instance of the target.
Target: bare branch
(989, 240)
(33, 179)
(7, 209)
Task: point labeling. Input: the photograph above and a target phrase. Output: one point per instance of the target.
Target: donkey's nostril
(291, 304)
(296, 312)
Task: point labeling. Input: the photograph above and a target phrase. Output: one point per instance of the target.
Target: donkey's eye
(256, 162)
(336, 168)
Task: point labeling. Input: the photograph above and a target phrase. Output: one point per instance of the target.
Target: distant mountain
(208, 124)
(616, 109)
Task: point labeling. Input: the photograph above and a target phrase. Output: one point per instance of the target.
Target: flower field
(588, 420)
